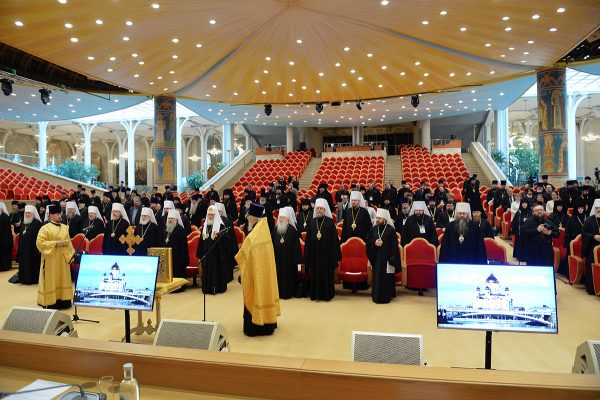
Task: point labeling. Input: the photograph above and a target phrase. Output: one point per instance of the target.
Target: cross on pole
(130, 239)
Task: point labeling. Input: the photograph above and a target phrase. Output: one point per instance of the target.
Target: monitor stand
(488, 349)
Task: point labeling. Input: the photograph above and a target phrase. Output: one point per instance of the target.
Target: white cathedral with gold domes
(115, 281)
(493, 297)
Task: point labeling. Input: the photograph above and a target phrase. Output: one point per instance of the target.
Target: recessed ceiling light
(511, 48)
(299, 41)
(352, 71)
(198, 45)
(321, 74)
(443, 12)
(530, 42)
(501, 93)
(290, 94)
(417, 63)
(235, 94)
(317, 91)
(128, 23)
(62, 1)
(384, 67)
(99, 22)
(535, 16)
(463, 29)
(212, 22)
(125, 38)
(278, 83)
(560, 10)
(112, 58)
(508, 29)
(264, 92)
(68, 25)
(74, 40)
(452, 74)
(175, 56)
(360, 78)
(159, 77)
(384, 2)
(346, 48)
(492, 72)
(502, 55)
(171, 72)
(109, 70)
(91, 58)
(421, 83)
(402, 73)
(155, 5)
(505, 18)
(265, 71)
(553, 29)
(141, 63)
(344, 84)
(256, 81)
(18, 23)
(337, 64)
(175, 40)
(523, 61)
(134, 55)
(136, 76)
(525, 53)
(291, 63)
(468, 74)
(488, 45)
(380, 85)
(268, 58)
(425, 22)
(150, 83)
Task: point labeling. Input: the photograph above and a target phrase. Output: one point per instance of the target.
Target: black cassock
(177, 241)
(573, 228)
(93, 229)
(287, 257)
(321, 256)
(232, 247)
(591, 228)
(151, 237)
(75, 225)
(6, 242)
(214, 266)
(470, 251)
(412, 229)
(383, 287)
(362, 221)
(113, 231)
(485, 228)
(516, 229)
(304, 218)
(537, 246)
(399, 221)
(28, 253)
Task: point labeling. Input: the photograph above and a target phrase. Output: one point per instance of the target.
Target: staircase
(229, 184)
(473, 167)
(393, 170)
(310, 172)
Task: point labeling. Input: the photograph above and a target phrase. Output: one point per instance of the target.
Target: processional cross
(130, 239)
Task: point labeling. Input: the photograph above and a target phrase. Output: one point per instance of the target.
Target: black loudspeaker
(587, 358)
(192, 335)
(35, 320)
(387, 348)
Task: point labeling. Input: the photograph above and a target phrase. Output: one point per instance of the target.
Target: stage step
(310, 172)
(474, 168)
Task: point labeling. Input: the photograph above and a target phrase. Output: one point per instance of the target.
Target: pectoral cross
(130, 239)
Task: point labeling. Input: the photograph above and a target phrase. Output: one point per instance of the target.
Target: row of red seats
(418, 165)
(18, 186)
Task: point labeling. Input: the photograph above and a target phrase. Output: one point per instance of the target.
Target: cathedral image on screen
(122, 282)
(512, 299)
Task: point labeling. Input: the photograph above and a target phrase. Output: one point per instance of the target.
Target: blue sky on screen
(529, 286)
(140, 272)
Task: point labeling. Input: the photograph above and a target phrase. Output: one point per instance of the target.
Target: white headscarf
(148, 212)
(119, 207)
(3, 208)
(463, 207)
(33, 210)
(356, 195)
(593, 210)
(221, 208)
(72, 205)
(419, 205)
(217, 221)
(46, 214)
(385, 214)
(322, 203)
(94, 210)
(289, 213)
(372, 214)
(175, 214)
(169, 205)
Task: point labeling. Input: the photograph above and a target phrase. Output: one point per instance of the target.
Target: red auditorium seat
(596, 270)
(353, 268)
(495, 251)
(191, 271)
(15, 246)
(95, 245)
(239, 236)
(506, 224)
(420, 261)
(576, 261)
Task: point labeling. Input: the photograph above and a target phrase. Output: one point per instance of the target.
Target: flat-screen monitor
(123, 282)
(496, 298)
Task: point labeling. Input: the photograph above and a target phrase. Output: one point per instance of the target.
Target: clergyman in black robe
(6, 239)
(72, 219)
(591, 239)
(537, 234)
(175, 238)
(94, 224)
(521, 216)
(322, 252)
(115, 228)
(28, 253)
(288, 256)
(304, 216)
(357, 222)
(213, 246)
(484, 225)
(462, 242)
(384, 256)
(149, 231)
(419, 225)
(574, 224)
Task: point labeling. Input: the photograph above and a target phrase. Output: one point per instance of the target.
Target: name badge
(422, 229)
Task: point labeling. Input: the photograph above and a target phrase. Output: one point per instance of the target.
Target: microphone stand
(219, 236)
(83, 395)
(75, 316)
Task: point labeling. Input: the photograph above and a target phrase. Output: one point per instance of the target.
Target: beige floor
(322, 330)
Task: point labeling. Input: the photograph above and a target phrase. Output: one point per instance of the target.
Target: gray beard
(477, 219)
(193, 208)
(27, 220)
(70, 216)
(282, 228)
(144, 223)
(114, 218)
(463, 227)
(405, 211)
(171, 226)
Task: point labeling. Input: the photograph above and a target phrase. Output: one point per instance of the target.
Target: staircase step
(310, 172)
(393, 169)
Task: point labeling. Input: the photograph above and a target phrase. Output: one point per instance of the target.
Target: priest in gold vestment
(258, 273)
(55, 289)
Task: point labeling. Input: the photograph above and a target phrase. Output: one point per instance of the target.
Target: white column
(227, 143)
(573, 101)
(87, 142)
(130, 127)
(203, 133)
(121, 160)
(360, 135)
(42, 143)
(289, 139)
(354, 141)
(426, 134)
(501, 130)
(179, 150)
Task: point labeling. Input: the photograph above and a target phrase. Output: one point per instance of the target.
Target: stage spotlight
(319, 107)
(6, 86)
(414, 100)
(359, 105)
(268, 109)
(45, 95)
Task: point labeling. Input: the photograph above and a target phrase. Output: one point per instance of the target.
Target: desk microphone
(82, 395)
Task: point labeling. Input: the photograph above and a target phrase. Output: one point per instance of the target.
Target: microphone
(82, 395)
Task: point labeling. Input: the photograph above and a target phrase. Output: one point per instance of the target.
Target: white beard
(70, 215)
(144, 222)
(193, 208)
(282, 228)
(27, 220)
(463, 226)
(114, 218)
(171, 226)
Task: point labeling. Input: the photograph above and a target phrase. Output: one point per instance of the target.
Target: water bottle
(129, 389)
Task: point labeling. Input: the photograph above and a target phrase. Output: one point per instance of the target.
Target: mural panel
(165, 132)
